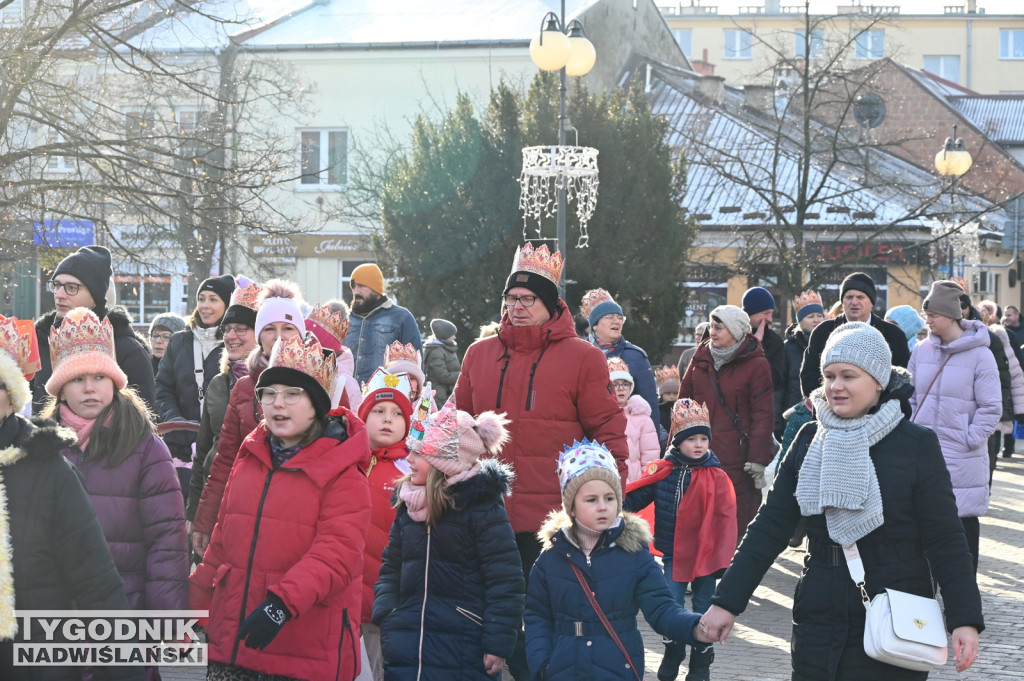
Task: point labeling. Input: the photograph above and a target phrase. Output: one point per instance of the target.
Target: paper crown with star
(592, 299)
(618, 370)
(582, 462)
(19, 358)
(381, 379)
(669, 372)
(539, 261)
(82, 344)
(336, 323)
(399, 352)
(689, 418)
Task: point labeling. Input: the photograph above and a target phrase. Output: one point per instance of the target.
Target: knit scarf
(837, 477)
(415, 499)
(723, 356)
(207, 339)
(239, 368)
(81, 426)
(586, 538)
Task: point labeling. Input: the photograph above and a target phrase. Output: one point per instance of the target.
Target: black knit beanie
(239, 314)
(858, 281)
(223, 286)
(91, 266)
(543, 287)
(297, 379)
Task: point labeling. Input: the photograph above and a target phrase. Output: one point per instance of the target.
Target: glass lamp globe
(550, 49)
(582, 56)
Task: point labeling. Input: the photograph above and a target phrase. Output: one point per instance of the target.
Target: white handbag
(900, 629)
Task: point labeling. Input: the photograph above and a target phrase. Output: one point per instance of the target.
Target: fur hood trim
(38, 437)
(17, 387)
(632, 535)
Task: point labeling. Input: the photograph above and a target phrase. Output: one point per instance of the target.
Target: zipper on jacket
(501, 384)
(341, 642)
(533, 370)
(252, 553)
(423, 609)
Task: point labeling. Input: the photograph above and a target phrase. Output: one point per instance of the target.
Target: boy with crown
(553, 386)
(695, 526)
(282, 576)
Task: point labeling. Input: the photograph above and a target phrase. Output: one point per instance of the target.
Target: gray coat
(441, 364)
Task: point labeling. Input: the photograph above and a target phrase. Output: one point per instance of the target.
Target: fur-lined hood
(38, 437)
(632, 534)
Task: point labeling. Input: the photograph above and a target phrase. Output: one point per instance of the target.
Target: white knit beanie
(280, 310)
(735, 319)
(861, 345)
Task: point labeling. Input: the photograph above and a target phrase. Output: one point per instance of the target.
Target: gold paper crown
(688, 414)
(807, 298)
(397, 352)
(669, 372)
(306, 357)
(80, 333)
(247, 296)
(617, 364)
(539, 261)
(17, 344)
(441, 439)
(592, 299)
(336, 323)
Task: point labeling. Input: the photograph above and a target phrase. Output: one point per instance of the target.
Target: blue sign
(64, 233)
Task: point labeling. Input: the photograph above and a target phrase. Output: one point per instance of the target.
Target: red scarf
(709, 506)
(82, 427)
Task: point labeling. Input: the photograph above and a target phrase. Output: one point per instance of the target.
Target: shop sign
(351, 246)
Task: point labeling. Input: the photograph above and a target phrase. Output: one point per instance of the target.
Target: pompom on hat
(689, 418)
(582, 462)
(302, 364)
(861, 345)
(82, 345)
(19, 359)
(454, 441)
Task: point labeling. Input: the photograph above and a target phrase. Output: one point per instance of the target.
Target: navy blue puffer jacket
(449, 594)
(625, 579)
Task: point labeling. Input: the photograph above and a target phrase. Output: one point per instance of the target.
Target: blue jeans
(703, 589)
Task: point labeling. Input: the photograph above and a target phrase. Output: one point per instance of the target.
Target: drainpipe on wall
(970, 47)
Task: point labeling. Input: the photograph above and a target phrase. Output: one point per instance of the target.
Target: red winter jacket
(242, 416)
(555, 388)
(382, 474)
(298, 531)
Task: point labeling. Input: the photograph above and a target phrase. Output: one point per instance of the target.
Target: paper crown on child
(689, 418)
(303, 364)
(329, 327)
(385, 387)
(538, 261)
(618, 370)
(399, 352)
(808, 302)
(582, 462)
(82, 344)
(669, 372)
(19, 358)
(454, 441)
(440, 439)
(592, 299)
(381, 380)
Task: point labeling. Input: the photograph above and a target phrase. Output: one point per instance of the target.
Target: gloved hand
(264, 623)
(756, 471)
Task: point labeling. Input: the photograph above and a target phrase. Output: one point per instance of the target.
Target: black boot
(701, 658)
(675, 653)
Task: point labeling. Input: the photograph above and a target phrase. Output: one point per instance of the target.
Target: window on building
(737, 44)
(1011, 43)
(870, 44)
(323, 159)
(817, 43)
(138, 123)
(187, 119)
(12, 12)
(57, 163)
(944, 66)
(684, 37)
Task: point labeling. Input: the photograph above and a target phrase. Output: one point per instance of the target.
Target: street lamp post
(953, 160)
(566, 49)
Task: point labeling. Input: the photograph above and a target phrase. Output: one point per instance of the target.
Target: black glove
(263, 623)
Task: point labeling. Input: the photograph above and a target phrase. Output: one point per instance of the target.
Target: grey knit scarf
(837, 477)
(722, 356)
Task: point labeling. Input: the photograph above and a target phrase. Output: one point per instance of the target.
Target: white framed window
(684, 38)
(12, 12)
(57, 163)
(1011, 43)
(138, 122)
(870, 44)
(323, 159)
(737, 44)
(944, 66)
(187, 118)
(817, 43)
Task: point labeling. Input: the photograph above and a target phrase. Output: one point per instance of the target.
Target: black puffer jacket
(132, 351)
(774, 351)
(61, 560)
(810, 369)
(177, 394)
(920, 517)
(794, 347)
(468, 570)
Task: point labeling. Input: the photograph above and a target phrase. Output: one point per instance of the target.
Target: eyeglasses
(717, 328)
(70, 288)
(237, 329)
(526, 301)
(163, 336)
(614, 317)
(622, 384)
(268, 396)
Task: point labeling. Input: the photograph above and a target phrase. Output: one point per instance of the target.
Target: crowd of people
(351, 502)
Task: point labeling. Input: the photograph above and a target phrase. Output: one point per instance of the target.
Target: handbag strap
(856, 567)
(925, 396)
(600, 615)
(721, 398)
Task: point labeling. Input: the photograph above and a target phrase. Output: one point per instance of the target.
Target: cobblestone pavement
(758, 649)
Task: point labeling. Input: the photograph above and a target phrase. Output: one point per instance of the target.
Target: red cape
(709, 506)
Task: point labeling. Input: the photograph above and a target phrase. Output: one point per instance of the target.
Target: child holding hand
(595, 568)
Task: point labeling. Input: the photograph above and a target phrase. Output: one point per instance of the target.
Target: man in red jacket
(551, 384)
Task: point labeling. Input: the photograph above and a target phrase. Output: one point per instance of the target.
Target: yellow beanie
(369, 275)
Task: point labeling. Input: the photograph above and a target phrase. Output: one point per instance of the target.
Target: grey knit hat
(735, 319)
(442, 329)
(944, 299)
(168, 320)
(861, 345)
